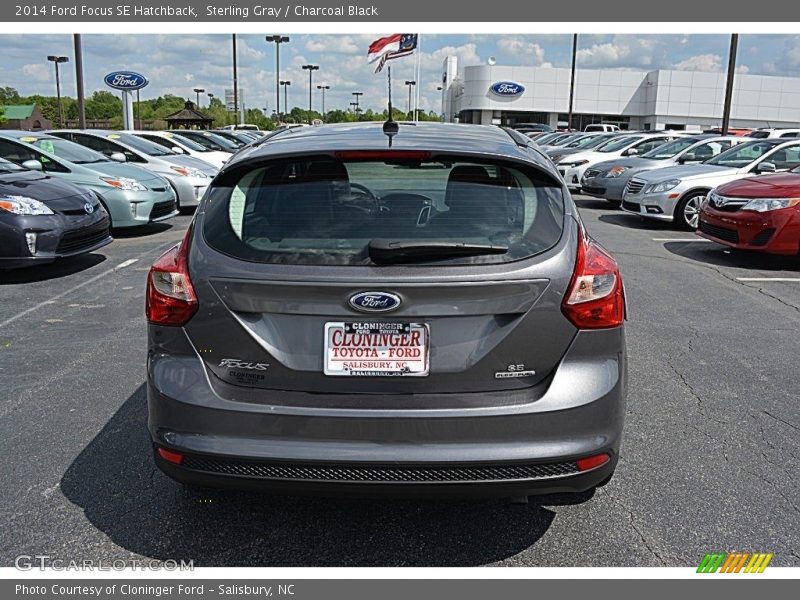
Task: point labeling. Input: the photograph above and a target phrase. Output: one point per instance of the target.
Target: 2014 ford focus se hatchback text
(397, 308)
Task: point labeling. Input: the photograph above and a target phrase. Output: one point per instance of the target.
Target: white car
(573, 166)
(675, 194)
(774, 133)
(183, 145)
(601, 128)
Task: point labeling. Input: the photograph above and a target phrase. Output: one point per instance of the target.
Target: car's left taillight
(170, 296)
(595, 298)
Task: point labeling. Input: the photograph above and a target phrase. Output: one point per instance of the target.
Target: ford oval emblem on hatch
(374, 301)
(507, 88)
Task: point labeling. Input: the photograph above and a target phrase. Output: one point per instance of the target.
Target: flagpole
(389, 75)
(417, 77)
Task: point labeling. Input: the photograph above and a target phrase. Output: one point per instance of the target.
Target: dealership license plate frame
(330, 326)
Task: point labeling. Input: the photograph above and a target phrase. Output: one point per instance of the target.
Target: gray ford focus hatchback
(388, 308)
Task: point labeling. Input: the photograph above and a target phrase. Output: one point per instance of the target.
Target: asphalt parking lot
(710, 461)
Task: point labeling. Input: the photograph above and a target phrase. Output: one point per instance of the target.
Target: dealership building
(659, 99)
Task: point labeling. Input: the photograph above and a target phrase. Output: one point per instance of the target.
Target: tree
(8, 95)
(103, 105)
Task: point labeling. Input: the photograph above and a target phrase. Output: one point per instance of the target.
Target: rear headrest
(474, 174)
(327, 170)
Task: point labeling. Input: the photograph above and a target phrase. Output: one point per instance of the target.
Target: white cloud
(341, 44)
(533, 53)
(711, 63)
(38, 72)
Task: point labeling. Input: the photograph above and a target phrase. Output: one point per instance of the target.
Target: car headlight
(767, 204)
(573, 164)
(124, 183)
(23, 205)
(189, 172)
(664, 186)
(616, 171)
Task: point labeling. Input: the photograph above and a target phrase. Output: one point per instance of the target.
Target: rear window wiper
(387, 252)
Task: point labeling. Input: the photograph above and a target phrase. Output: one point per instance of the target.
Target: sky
(176, 64)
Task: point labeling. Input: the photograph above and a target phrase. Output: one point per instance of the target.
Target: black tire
(614, 203)
(688, 209)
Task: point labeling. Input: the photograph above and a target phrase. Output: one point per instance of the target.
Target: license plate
(376, 349)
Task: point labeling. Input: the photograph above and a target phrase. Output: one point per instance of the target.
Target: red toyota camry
(757, 213)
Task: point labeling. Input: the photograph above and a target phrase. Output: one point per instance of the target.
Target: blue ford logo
(374, 301)
(125, 80)
(507, 88)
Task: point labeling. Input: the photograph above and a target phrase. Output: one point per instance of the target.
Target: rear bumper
(774, 232)
(579, 415)
(287, 477)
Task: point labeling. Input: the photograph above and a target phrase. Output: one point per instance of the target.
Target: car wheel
(614, 203)
(687, 212)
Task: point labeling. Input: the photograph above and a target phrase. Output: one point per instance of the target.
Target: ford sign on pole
(507, 88)
(126, 81)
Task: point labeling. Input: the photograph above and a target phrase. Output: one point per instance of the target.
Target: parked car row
(743, 192)
(63, 191)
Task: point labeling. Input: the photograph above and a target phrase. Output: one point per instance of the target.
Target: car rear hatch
(402, 274)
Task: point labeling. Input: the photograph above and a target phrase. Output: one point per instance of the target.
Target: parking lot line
(52, 300)
(681, 240)
(789, 279)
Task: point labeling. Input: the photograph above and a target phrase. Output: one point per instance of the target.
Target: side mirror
(117, 157)
(766, 167)
(33, 165)
(178, 150)
(688, 157)
(631, 152)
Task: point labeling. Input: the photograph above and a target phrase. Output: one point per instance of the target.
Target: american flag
(390, 47)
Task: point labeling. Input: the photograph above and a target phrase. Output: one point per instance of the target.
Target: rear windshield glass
(325, 211)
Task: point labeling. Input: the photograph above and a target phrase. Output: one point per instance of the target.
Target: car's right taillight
(595, 298)
(170, 298)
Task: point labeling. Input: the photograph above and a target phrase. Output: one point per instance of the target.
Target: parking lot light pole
(198, 91)
(235, 83)
(285, 85)
(278, 40)
(726, 111)
(57, 60)
(310, 69)
(357, 110)
(323, 88)
(79, 80)
(572, 82)
(410, 85)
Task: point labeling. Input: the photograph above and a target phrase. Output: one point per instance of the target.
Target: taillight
(170, 296)
(592, 462)
(595, 298)
(170, 456)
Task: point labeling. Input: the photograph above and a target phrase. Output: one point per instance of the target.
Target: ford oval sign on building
(507, 88)
(126, 81)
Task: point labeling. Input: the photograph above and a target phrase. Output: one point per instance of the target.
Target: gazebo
(189, 118)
